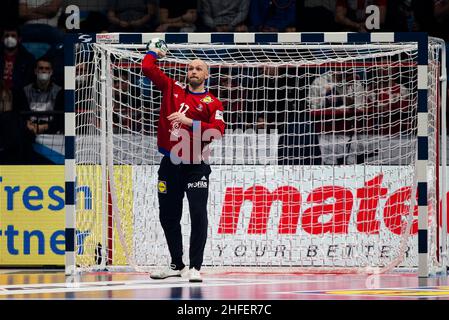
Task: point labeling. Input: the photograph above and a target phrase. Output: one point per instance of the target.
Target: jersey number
(183, 108)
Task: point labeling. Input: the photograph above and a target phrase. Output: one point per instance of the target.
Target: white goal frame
(420, 39)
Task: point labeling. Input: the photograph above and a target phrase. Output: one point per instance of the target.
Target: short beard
(194, 84)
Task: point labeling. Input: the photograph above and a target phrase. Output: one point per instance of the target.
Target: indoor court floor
(54, 285)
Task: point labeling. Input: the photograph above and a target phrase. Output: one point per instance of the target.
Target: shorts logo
(162, 186)
(207, 99)
(197, 185)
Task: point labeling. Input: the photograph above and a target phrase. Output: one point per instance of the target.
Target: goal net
(317, 170)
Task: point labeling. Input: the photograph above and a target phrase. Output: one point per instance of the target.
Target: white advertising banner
(290, 216)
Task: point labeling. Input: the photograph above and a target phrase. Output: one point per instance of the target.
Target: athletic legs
(197, 190)
(170, 194)
(173, 181)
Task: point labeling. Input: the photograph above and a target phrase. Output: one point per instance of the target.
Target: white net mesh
(316, 170)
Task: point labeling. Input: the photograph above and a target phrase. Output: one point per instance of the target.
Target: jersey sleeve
(215, 121)
(152, 71)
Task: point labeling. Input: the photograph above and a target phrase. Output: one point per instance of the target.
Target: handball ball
(157, 43)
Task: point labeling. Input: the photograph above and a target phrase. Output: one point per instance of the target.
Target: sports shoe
(195, 275)
(168, 272)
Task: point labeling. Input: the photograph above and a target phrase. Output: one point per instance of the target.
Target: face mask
(10, 42)
(43, 76)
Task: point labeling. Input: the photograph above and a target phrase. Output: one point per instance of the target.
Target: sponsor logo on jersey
(207, 99)
(199, 107)
(162, 186)
(180, 84)
(219, 115)
(197, 185)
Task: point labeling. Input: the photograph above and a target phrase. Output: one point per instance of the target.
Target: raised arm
(152, 71)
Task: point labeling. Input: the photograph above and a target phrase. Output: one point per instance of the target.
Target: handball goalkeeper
(187, 111)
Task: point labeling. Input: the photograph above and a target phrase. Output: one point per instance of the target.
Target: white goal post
(334, 158)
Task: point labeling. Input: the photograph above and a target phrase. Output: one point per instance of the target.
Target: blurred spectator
(298, 142)
(423, 16)
(334, 97)
(95, 22)
(56, 56)
(40, 19)
(9, 15)
(132, 15)
(261, 122)
(177, 16)
(12, 146)
(83, 78)
(85, 104)
(441, 13)
(128, 110)
(272, 15)
(224, 15)
(334, 89)
(40, 11)
(441, 10)
(233, 99)
(399, 17)
(16, 63)
(6, 98)
(317, 15)
(350, 15)
(43, 96)
(120, 101)
(273, 94)
(390, 102)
